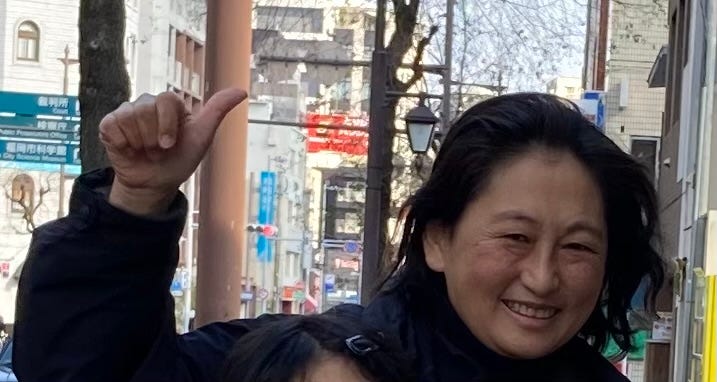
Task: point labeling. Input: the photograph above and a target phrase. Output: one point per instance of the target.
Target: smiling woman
(528, 241)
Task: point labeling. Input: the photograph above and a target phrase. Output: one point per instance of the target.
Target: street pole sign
(45, 128)
(30, 104)
(24, 151)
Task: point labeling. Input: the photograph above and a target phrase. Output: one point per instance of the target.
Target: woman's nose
(539, 271)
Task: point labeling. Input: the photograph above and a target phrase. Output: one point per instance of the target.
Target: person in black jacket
(518, 257)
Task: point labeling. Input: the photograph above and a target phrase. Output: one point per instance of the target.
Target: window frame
(36, 38)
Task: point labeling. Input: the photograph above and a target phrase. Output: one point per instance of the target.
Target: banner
(267, 194)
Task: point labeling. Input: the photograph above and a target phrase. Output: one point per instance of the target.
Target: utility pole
(371, 258)
(66, 61)
(448, 75)
(222, 228)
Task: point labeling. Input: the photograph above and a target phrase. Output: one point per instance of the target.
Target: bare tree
(104, 82)
(24, 199)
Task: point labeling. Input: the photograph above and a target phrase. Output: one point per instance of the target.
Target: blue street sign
(23, 122)
(267, 194)
(351, 247)
(6, 132)
(599, 109)
(24, 151)
(39, 104)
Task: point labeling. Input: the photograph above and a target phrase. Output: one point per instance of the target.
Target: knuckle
(145, 98)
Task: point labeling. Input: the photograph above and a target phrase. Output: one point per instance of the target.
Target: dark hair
(285, 349)
(496, 130)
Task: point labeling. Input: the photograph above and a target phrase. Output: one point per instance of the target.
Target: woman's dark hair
(284, 350)
(496, 130)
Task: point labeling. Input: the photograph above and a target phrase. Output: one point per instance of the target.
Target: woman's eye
(517, 237)
(579, 247)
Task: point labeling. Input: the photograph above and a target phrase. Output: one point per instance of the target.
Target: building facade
(163, 51)
(567, 87)
(623, 39)
(688, 183)
(633, 111)
(280, 150)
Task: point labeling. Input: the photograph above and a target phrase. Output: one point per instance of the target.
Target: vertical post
(249, 242)
(66, 62)
(372, 216)
(601, 60)
(222, 232)
(189, 249)
(278, 300)
(447, 74)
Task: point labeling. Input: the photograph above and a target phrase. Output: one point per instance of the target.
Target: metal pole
(277, 247)
(222, 226)
(372, 216)
(189, 249)
(249, 242)
(447, 74)
(66, 62)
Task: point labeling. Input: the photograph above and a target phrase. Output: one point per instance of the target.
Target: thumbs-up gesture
(154, 144)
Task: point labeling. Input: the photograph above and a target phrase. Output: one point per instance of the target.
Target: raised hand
(154, 144)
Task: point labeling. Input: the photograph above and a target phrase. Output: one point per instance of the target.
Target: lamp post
(371, 257)
(420, 125)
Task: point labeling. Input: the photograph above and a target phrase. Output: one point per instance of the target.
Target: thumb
(218, 106)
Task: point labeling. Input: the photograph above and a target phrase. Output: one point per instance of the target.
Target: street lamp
(420, 122)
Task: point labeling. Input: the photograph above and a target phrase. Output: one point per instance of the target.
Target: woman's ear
(435, 240)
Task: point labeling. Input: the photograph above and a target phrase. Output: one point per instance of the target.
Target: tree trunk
(104, 82)
(387, 155)
(405, 19)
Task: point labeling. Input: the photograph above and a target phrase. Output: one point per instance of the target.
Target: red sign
(5, 269)
(354, 142)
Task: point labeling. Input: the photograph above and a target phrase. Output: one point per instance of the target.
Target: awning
(658, 73)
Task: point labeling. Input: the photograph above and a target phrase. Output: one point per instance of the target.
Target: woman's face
(524, 265)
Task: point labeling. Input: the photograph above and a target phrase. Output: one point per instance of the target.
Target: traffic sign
(23, 151)
(262, 294)
(351, 247)
(39, 104)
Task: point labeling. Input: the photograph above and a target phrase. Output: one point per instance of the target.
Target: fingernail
(166, 141)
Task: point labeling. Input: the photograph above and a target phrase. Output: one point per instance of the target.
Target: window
(352, 192)
(28, 41)
(350, 224)
(23, 193)
(645, 151)
(290, 19)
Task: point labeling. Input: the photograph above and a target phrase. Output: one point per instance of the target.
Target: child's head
(318, 348)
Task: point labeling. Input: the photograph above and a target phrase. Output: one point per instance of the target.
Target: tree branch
(416, 66)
